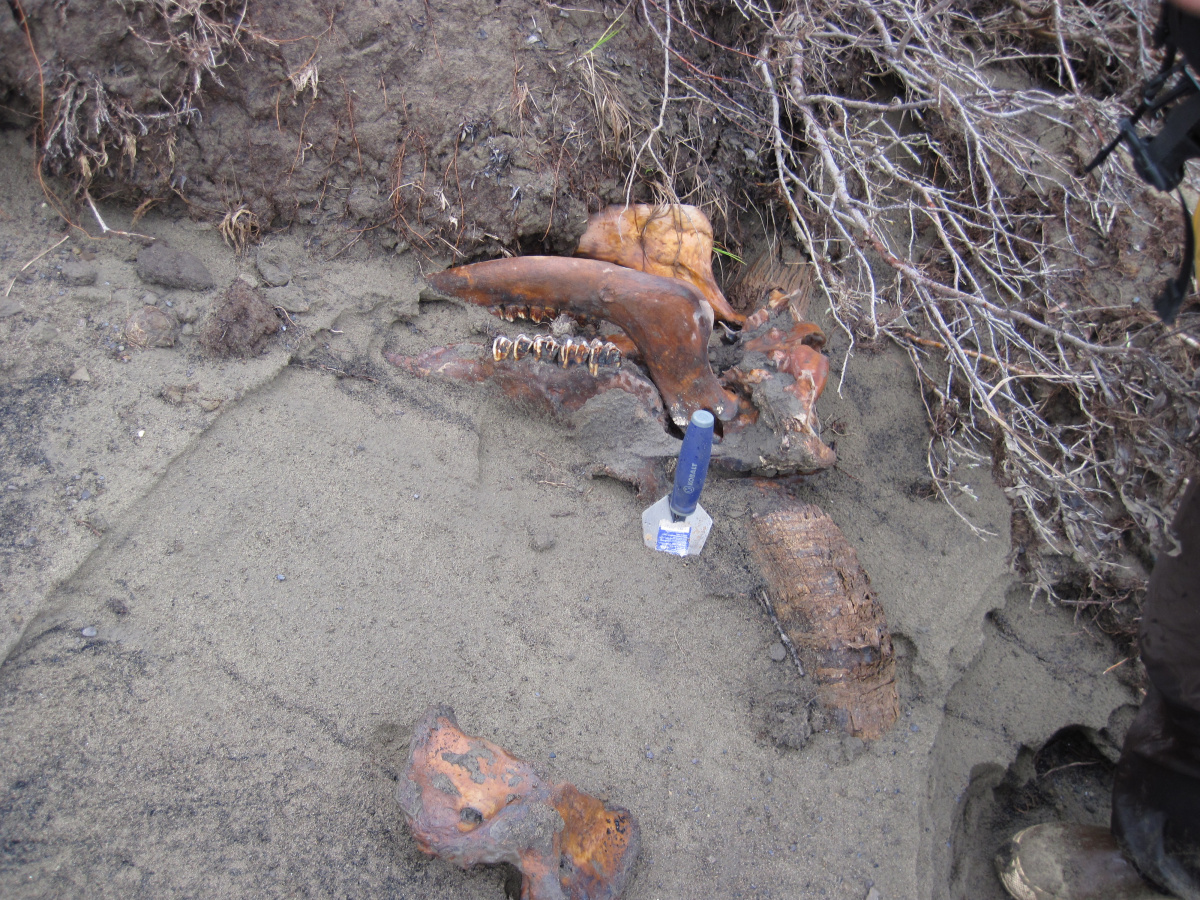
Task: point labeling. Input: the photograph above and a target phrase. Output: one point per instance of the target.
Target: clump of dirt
(240, 324)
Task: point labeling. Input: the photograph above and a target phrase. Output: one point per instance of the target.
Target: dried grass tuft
(239, 227)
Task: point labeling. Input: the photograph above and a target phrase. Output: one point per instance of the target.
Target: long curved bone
(671, 240)
(666, 318)
(470, 802)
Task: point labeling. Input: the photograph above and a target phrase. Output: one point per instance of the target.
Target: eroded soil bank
(456, 127)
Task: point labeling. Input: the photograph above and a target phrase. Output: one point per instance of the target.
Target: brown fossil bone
(470, 802)
(783, 374)
(540, 384)
(672, 240)
(616, 415)
(666, 318)
(824, 605)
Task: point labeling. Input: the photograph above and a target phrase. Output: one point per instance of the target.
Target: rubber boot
(1063, 861)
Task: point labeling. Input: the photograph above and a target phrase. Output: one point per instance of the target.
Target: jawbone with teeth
(668, 320)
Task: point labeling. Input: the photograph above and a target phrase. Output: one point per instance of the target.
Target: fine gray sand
(221, 618)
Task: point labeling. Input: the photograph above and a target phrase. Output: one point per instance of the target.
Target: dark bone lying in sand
(777, 363)
(618, 416)
(824, 606)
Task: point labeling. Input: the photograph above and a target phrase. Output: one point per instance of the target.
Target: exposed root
(85, 129)
(927, 159)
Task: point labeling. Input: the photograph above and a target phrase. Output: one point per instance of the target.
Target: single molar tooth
(501, 347)
(612, 354)
(541, 345)
(522, 344)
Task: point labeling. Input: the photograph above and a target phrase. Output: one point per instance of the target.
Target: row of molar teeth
(535, 314)
(569, 352)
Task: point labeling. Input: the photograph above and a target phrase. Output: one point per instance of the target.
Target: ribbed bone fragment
(824, 603)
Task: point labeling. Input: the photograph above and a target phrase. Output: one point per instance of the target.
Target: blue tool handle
(693, 464)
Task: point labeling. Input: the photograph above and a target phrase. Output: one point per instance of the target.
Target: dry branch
(927, 156)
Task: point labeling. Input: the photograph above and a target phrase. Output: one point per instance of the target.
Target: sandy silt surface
(213, 660)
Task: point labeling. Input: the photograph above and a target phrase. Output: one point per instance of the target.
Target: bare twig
(926, 157)
(59, 243)
(105, 230)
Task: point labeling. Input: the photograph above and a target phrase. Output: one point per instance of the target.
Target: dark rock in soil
(273, 268)
(160, 264)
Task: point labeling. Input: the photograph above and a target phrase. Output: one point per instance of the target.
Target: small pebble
(89, 632)
(416, 496)
(541, 541)
(553, 755)
(696, 761)
(281, 578)
(649, 754)
(778, 652)
(86, 495)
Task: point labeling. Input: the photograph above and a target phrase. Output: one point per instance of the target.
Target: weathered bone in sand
(824, 605)
(672, 240)
(783, 374)
(616, 415)
(543, 386)
(666, 318)
(470, 802)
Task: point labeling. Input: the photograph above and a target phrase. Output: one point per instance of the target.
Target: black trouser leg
(1156, 790)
